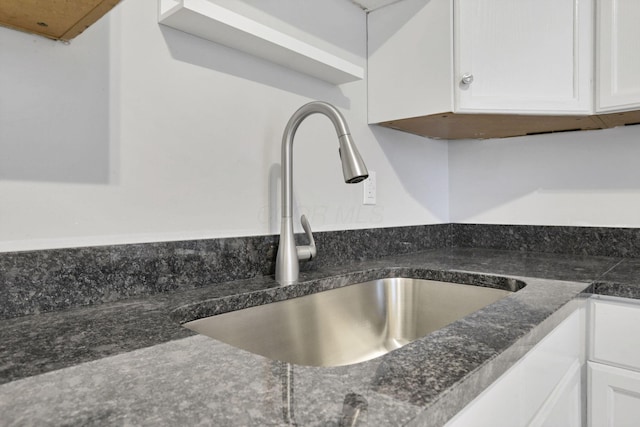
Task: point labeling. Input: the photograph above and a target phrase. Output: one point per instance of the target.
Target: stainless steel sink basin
(349, 324)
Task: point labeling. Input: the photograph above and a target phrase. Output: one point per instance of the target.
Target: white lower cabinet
(563, 382)
(564, 407)
(544, 388)
(614, 363)
(614, 399)
(615, 332)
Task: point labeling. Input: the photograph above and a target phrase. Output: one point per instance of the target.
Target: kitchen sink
(347, 325)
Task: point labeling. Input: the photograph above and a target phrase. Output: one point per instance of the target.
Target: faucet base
(287, 265)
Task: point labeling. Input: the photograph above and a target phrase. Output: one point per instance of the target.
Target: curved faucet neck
(302, 113)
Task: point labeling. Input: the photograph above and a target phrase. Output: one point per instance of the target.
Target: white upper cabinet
(456, 69)
(526, 56)
(618, 55)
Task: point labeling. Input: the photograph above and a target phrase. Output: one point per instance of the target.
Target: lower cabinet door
(614, 396)
(615, 322)
(564, 406)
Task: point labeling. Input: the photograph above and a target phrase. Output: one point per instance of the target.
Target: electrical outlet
(370, 189)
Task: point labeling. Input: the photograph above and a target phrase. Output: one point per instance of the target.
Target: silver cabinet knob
(467, 79)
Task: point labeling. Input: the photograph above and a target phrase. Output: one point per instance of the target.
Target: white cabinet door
(613, 321)
(525, 56)
(614, 399)
(618, 55)
(564, 407)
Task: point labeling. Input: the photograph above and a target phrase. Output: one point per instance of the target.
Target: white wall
(575, 178)
(136, 132)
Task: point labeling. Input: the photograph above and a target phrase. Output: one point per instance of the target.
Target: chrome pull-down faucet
(353, 169)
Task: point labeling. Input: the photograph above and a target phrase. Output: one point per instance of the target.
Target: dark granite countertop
(128, 362)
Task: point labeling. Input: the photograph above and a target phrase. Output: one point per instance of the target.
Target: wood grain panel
(621, 119)
(484, 126)
(55, 19)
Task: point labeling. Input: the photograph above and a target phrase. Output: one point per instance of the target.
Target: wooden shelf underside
(54, 19)
(485, 126)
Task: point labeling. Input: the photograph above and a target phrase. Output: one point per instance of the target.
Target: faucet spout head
(353, 167)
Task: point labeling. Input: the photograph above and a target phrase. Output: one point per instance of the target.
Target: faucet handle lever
(306, 252)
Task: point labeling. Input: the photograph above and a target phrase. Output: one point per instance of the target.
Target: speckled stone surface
(50, 280)
(35, 344)
(599, 241)
(31, 345)
(623, 280)
(126, 363)
(42, 281)
(200, 381)
(455, 398)
(195, 381)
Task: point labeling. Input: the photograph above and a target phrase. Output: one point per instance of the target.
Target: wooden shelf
(54, 19)
(483, 126)
(213, 22)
